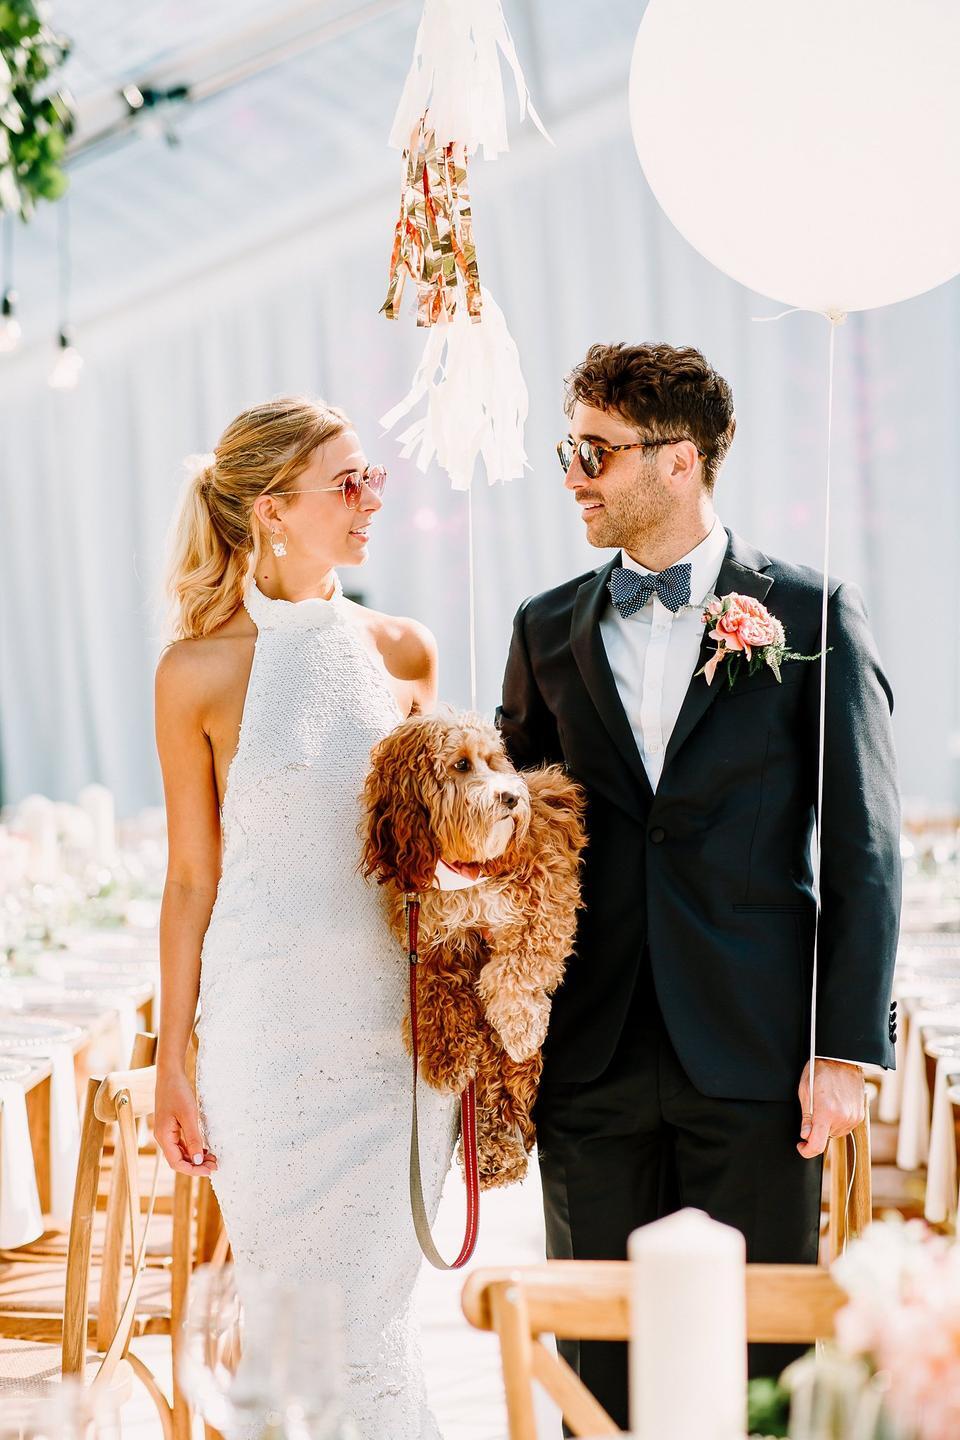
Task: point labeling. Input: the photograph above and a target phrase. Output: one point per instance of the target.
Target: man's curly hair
(663, 391)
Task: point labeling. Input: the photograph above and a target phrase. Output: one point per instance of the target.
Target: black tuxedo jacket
(713, 872)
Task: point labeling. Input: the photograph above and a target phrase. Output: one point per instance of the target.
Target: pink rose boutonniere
(745, 629)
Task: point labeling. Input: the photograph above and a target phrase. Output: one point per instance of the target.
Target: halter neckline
(272, 614)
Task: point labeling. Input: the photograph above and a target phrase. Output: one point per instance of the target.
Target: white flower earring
(278, 542)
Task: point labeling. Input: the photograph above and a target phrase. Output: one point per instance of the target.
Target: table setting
(79, 970)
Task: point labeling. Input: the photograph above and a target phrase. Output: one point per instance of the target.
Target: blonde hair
(215, 538)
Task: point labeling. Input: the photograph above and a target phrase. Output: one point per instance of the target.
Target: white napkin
(20, 1217)
(913, 1141)
(64, 1134)
(941, 1196)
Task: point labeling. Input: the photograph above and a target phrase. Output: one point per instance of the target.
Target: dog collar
(446, 878)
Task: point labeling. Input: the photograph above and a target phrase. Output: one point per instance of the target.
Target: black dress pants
(640, 1142)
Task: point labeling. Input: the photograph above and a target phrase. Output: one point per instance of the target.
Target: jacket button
(658, 835)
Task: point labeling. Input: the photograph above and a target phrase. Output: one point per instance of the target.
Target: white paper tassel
(456, 73)
(476, 400)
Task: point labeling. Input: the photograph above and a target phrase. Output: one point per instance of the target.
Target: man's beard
(636, 517)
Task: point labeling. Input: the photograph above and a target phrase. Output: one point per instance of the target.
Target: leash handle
(468, 1129)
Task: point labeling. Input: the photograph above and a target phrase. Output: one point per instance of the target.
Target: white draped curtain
(575, 250)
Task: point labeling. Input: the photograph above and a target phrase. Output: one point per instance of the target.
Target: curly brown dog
(442, 789)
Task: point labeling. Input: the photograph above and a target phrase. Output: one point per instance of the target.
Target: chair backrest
(851, 1188)
(111, 1266)
(590, 1300)
(121, 1098)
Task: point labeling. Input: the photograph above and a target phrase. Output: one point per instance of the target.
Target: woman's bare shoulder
(408, 647)
(192, 669)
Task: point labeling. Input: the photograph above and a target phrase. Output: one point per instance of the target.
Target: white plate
(111, 943)
(11, 1069)
(94, 980)
(23, 1032)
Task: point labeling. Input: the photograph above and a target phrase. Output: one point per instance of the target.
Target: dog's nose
(508, 798)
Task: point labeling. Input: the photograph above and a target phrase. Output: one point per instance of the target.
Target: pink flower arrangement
(744, 629)
(903, 1317)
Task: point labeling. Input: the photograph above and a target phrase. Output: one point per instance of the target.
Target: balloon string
(836, 317)
(823, 710)
(472, 601)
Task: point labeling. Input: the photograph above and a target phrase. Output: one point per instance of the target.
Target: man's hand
(838, 1101)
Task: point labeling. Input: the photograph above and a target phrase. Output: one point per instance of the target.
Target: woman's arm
(193, 872)
(409, 652)
(423, 662)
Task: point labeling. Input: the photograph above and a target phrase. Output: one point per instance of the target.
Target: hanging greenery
(35, 117)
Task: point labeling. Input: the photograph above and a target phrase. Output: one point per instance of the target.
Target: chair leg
(508, 1311)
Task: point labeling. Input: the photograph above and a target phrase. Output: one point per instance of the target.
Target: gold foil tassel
(433, 240)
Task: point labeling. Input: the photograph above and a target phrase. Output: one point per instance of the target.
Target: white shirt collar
(705, 560)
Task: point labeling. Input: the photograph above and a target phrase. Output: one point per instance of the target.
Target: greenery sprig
(36, 117)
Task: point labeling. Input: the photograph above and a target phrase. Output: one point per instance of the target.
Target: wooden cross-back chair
(190, 1233)
(31, 1360)
(850, 1177)
(589, 1300)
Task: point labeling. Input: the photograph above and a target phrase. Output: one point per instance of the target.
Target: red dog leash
(468, 1129)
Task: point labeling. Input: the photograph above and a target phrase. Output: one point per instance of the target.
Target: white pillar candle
(97, 802)
(36, 818)
(688, 1330)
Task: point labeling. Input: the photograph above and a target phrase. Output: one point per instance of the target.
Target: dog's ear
(399, 844)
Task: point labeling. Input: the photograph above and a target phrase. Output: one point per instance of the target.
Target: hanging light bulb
(65, 374)
(10, 331)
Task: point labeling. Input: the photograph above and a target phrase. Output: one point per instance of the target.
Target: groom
(675, 1067)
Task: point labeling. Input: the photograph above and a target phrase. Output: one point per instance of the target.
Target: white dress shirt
(653, 654)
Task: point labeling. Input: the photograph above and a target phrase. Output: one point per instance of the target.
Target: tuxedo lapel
(589, 652)
(742, 571)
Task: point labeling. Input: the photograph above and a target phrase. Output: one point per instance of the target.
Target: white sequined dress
(303, 1081)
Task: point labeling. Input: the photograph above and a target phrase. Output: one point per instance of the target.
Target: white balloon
(808, 148)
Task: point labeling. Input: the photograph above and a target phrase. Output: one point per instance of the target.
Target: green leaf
(768, 1408)
(35, 119)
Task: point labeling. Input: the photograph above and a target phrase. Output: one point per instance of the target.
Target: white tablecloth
(913, 1141)
(941, 1196)
(21, 1219)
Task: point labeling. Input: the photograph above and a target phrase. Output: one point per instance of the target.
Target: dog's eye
(463, 765)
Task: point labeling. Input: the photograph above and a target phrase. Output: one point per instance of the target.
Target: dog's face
(482, 805)
(442, 787)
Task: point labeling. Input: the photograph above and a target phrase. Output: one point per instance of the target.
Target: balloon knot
(836, 317)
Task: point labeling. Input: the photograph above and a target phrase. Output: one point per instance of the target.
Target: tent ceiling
(297, 139)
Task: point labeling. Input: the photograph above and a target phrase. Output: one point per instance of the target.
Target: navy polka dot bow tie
(629, 590)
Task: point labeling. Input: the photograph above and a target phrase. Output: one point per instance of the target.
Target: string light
(65, 374)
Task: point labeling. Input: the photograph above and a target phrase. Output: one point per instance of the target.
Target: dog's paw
(520, 1022)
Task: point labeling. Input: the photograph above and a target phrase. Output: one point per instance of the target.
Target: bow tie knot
(630, 590)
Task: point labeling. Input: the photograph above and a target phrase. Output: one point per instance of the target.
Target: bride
(267, 705)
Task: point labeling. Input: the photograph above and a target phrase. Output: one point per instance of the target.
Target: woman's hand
(176, 1126)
